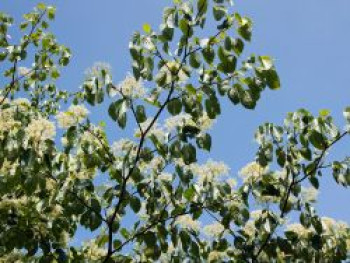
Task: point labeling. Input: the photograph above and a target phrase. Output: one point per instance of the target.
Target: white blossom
(298, 229)
(249, 228)
(203, 123)
(22, 103)
(231, 182)
(92, 251)
(216, 256)
(210, 171)
(213, 230)
(23, 71)
(7, 121)
(123, 146)
(130, 87)
(40, 129)
(165, 177)
(74, 115)
(155, 130)
(252, 171)
(256, 214)
(95, 70)
(309, 194)
(186, 221)
(179, 120)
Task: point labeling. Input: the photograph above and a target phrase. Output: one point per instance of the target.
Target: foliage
(143, 198)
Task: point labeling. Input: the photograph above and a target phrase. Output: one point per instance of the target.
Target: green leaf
(324, 113)
(272, 79)
(51, 12)
(202, 6)
(174, 106)
(213, 107)
(208, 54)
(117, 111)
(147, 28)
(238, 46)
(189, 154)
(204, 142)
(245, 28)
(41, 6)
(184, 27)
(189, 193)
(266, 62)
(219, 12)
(141, 114)
(168, 33)
(90, 220)
(317, 140)
(195, 60)
(135, 204)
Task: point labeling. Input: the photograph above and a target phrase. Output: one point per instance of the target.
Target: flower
(7, 121)
(256, 214)
(165, 177)
(249, 228)
(210, 170)
(214, 230)
(231, 182)
(75, 114)
(309, 194)
(204, 123)
(22, 103)
(23, 71)
(298, 229)
(123, 146)
(216, 256)
(40, 129)
(186, 221)
(155, 130)
(177, 121)
(92, 251)
(95, 70)
(130, 87)
(252, 171)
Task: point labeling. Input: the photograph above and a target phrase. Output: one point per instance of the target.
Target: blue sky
(308, 39)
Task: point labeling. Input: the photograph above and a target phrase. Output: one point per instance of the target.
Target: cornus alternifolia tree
(146, 198)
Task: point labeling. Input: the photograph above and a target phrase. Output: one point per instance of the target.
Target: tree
(147, 198)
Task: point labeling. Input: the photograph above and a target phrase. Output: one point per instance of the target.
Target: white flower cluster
(10, 203)
(7, 121)
(204, 123)
(95, 70)
(131, 88)
(298, 229)
(309, 194)
(172, 70)
(155, 130)
(252, 171)
(75, 114)
(93, 252)
(332, 227)
(22, 104)
(124, 146)
(214, 230)
(8, 168)
(167, 177)
(186, 221)
(210, 171)
(23, 71)
(216, 256)
(40, 129)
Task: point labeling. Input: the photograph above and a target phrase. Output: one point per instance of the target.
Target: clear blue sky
(308, 39)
